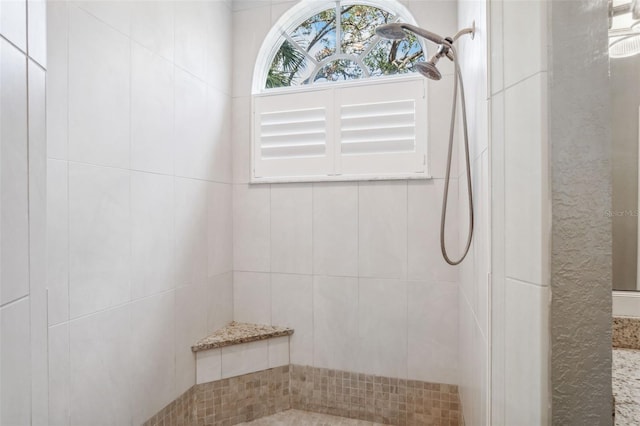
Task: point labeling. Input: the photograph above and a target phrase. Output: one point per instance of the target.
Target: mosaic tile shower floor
(304, 418)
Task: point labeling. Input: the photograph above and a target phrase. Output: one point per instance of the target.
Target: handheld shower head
(396, 31)
(429, 70)
(391, 31)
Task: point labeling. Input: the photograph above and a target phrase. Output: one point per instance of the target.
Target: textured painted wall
(581, 233)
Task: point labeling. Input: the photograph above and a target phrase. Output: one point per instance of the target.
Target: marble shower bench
(240, 348)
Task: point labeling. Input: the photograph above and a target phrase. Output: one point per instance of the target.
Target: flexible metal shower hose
(445, 198)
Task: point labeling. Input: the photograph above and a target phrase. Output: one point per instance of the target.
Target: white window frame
(289, 21)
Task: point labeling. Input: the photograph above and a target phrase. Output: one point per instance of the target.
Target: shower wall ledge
(240, 332)
(241, 348)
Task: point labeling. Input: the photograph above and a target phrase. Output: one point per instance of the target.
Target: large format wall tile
(152, 234)
(382, 232)
(152, 138)
(14, 219)
(424, 252)
(99, 103)
(59, 369)
(190, 326)
(101, 369)
(382, 327)
(523, 180)
(15, 364)
(432, 332)
(291, 297)
(152, 354)
(152, 25)
(291, 228)
(191, 231)
(191, 37)
(524, 53)
(58, 241)
(251, 228)
(99, 238)
(525, 362)
(57, 79)
(13, 22)
(335, 229)
(252, 297)
(220, 229)
(335, 322)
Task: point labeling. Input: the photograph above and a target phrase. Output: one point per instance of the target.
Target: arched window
(333, 101)
(339, 44)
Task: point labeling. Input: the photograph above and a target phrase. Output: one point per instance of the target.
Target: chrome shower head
(396, 31)
(391, 31)
(429, 70)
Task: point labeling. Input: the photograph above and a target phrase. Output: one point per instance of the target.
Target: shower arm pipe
(470, 30)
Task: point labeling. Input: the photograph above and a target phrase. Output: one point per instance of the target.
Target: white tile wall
(58, 241)
(425, 261)
(38, 241)
(190, 325)
(335, 322)
(101, 369)
(382, 327)
(382, 229)
(241, 116)
(220, 301)
(220, 229)
(15, 363)
(191, 37)
(257, 18)
(251, 228)
(59, 368)
(252, 297)
(152, 354)
(291, 297)
(115, 14)
(473, 340)
(433, 327)
(245, 358)
(335, 218)
(57, 88)
(14, 220)
(13, 22)
(523, 179)
(99, 64)
(334, 234)
(152, 234)
(524, 55)
(152, 25)
(37, 34)
(148, 213)
(208, 366)
(519, 298)
(191, 252)
(99, 238)
(152, 95)
(291, 228)
(525, 366)
(279, 351)
(23, 301)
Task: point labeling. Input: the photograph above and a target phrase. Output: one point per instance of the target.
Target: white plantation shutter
(360, 131)
(292, 134)
(383, 129)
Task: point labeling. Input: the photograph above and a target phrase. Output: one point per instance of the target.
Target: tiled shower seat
(241, 348)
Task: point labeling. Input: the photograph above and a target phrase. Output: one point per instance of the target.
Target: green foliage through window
(312, 52)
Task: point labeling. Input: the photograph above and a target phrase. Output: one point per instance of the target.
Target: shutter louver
(378, 128)
(291, 135)
(346, 132)
(383, 130)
